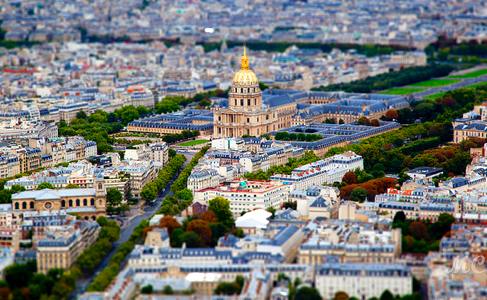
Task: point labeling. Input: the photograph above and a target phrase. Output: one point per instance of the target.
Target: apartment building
(325, 171)
(246, 195)
(350, 242)
(62, 245)
(363, 280)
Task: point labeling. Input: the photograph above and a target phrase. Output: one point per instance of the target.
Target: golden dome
(245, 76)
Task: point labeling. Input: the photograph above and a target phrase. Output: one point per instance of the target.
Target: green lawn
(473, 74)
(402, 90)
(435, 82)
(193, 143)
(478, 84)
(434, 96)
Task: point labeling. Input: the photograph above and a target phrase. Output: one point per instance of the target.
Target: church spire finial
(244, 64)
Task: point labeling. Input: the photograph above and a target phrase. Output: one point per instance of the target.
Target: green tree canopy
(45, 185)
(307, 293)
(221, 207)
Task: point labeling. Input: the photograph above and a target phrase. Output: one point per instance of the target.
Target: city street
(128, 226)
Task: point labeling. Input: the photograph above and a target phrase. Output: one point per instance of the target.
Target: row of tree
(368, 50)
(174, 103)
(286, 136)
(308, 157)
(148, 193)
(392, 79)
(105, 277)
(182, 197)
(409, 146)
(152, 189)
(176, 137)
(366, 190)
(100, 124)
(22, 281)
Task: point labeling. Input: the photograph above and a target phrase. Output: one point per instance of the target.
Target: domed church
(245, 114)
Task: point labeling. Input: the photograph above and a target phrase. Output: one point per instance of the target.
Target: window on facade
(92, 201)
(77, 202)
(85, 202)
(16, 205)
(24, 205)
(248, 102)
(31, 205)
(241, 102)
(70, 203)
(63, 203)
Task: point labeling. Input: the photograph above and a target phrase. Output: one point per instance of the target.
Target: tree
(208, 216)
(386, 295)
(363, 121)
(399, 217)
(167, 290)
(17, 188)
(81, 115)
(392, 114)
(147, 289)
(358, 194)
(17, 275)
(72, 186)
(5, 196)
(202, 229)
(114, 200)
(341, 296)
(45, 185)
(230, 288)
(272, 210)
(418, 230)
(170, 223)
(307, 293)
(221, 207)
(191, 239)
(349, 177)
(149, 192)
(375, 123)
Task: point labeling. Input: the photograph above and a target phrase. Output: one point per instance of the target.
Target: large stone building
(88, 203)
(245, 113)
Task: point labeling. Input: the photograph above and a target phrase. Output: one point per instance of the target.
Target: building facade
(246, 195)
(62, 245)
(88, 203)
